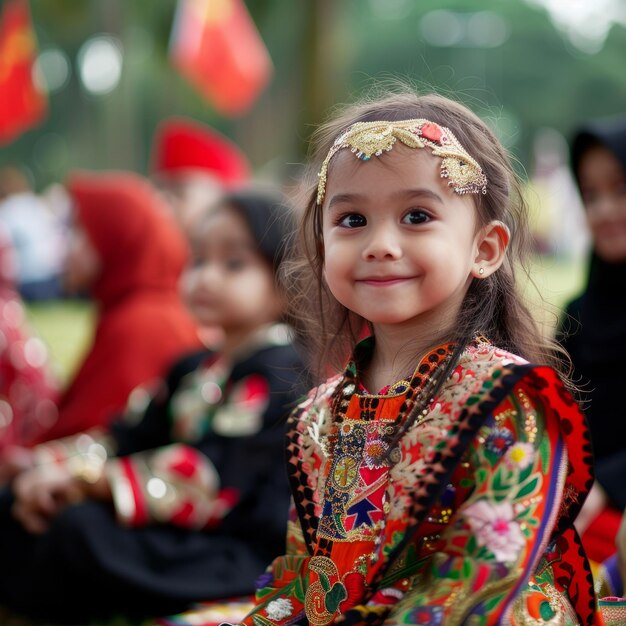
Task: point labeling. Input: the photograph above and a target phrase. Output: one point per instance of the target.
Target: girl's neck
(237, 341)
(395, 357)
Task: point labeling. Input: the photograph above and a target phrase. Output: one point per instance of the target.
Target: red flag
(217, 48)
(22, 104)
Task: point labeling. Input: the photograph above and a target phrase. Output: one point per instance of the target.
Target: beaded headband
(365, 139)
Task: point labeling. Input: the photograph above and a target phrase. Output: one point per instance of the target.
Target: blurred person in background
(37, 234)
(159, 511)
(193, 165)
(125, 250)
(593, 329)
(28, 387)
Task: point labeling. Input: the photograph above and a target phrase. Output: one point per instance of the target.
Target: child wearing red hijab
(128, 254)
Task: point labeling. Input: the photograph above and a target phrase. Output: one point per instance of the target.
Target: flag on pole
(217, 47)
(22, 103)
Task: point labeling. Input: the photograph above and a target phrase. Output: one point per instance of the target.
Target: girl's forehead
(222, 216)
(221, 224)
(369, 140)
(402, 166)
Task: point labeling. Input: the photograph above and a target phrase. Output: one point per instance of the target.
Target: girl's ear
(492, 241)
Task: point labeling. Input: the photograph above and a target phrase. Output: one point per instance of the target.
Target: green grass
(556, 281)
(66, 326)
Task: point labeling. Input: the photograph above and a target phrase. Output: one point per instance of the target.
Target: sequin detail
(367, 139)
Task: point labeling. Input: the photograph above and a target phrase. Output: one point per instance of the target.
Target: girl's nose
(383, 243)
(605, 206)
(208, 273)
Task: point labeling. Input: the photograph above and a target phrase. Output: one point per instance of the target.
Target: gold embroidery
(552, 596)
(367, 139)
(506, 414)
(345, 472)
(460, 607)
(530, 419)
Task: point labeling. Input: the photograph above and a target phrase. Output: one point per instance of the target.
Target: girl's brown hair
(492, 306)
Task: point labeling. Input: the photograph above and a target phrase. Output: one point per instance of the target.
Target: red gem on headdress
(432, 132)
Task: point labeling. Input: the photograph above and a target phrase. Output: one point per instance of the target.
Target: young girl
(436, 479)
(593, 329)
(187, 500)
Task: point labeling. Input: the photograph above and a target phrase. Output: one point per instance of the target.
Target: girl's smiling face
(400, 246)
(230, 284)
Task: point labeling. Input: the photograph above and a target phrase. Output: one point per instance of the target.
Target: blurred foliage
(324, 52)
(66, 326)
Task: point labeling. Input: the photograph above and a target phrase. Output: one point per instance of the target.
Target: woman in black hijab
(593, 330)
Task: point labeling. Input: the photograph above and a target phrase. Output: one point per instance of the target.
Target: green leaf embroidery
(334, 597)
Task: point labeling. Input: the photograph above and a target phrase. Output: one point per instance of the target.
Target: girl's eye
(416, 216)
(234, 264)
(353, 220)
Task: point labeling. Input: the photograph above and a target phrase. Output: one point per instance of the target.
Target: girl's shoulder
(482, 359)
(483, 351)
(488, 368)
(488, 376)
(187, 363)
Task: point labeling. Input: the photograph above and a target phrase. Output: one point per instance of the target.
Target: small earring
(481, 270)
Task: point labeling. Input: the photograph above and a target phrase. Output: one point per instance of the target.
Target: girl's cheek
(188, 283)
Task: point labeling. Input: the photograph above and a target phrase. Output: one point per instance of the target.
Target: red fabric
(216, 46)
(599, 538)
(183, 144)
(184, 514)
(22, 104)
(187, 462)
(143, 325)
(141, 513)
(28, 390)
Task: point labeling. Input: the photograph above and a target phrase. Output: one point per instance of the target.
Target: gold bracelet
(88, 466)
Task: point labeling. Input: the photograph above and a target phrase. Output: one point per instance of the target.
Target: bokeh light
(53, 66)
(100, 62)
(482, 29)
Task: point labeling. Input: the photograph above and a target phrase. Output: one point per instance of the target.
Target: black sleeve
(568, 325)
(611, 474)
(152, 429)
(254, 465)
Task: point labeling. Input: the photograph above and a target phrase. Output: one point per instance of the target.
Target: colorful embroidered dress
(467, 521)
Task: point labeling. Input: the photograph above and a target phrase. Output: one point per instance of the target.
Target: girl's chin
(384, 319)
(205, 318)
(211, 336)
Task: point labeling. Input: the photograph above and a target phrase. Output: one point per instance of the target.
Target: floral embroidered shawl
(469, 520)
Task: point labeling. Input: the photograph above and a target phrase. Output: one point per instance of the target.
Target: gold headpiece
(365, 139)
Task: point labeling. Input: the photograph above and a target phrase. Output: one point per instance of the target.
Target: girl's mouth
(383, 281)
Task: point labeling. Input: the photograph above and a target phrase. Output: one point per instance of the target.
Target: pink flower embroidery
(494, 527)
(519, 455)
